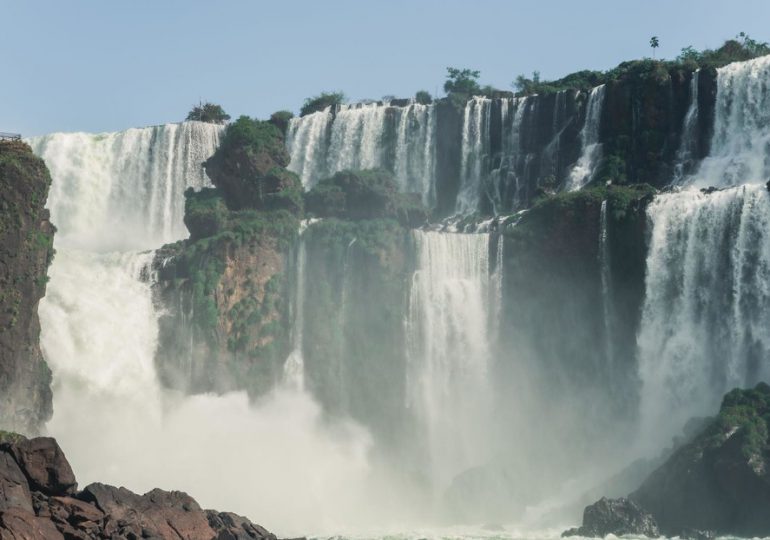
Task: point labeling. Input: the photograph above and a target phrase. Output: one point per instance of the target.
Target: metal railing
(10, 136)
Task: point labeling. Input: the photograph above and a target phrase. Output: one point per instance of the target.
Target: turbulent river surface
(472, 435)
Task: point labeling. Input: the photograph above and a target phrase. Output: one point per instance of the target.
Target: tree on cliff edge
(208, 112)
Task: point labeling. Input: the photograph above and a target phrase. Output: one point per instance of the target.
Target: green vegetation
(252, 135)
(570, 206)
(367, 194)
(746, 412)
(462, 81)
(321, 102)
(423, 97)
(739, 49)
(10, 437)
(654, 43)
(208, 112)
(281, 119)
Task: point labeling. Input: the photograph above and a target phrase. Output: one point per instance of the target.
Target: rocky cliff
(39, 499)
(716, 483)
(26, 250)
(226, 289)
(720, 481)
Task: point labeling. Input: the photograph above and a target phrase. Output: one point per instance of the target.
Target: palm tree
(654, 43)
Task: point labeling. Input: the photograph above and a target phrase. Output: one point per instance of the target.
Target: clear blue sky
(97, 65)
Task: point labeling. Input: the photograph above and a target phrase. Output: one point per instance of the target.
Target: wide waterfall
(706, 323)
(449, 350)
(114, 195)
(740, 146)
(584, 169)
(105, 199)
(367, 136)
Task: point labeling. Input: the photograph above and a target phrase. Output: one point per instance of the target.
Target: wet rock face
(615, 516)
(26, 250)
(38, 499)
(720, 481)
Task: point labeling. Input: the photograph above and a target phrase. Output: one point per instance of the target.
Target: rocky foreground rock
(718, 483)
(615, 516)
(39, 499)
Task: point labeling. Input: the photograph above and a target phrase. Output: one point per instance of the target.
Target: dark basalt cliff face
(640, 131)
(720, 481)
(39, 499)
(717, 483)
(573, 288)
(26, 250)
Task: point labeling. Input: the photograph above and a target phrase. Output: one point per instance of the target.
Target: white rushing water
(474, 159)
(687, 151)
(583, 171)
(367, 136)
(606, 282)
(449, 350)
(114, 195)
(740, 145)
(706, 318)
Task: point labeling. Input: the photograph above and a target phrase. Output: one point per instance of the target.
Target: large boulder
(44, 464)
(14, 490)
(615, 516)
(720, 481)
(20, 524)
(249, 168)
(38, 500)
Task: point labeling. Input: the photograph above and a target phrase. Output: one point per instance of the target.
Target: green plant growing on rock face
(321, 102)
(208, 112)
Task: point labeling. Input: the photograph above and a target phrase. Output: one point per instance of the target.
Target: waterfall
(584, 169)
(705, 323)
(448, 350)
(114, 197)
(740, 144)
(606, 281)
(306, 142)
(367, 136)
(123, 191)
(475, 153)
(294, 367)
(687, 151)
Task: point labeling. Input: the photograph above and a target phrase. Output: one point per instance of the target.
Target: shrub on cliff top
(367, 194)
(208, 112)
(254, 136)
(281, 119)
(321, 101)
(462, 81)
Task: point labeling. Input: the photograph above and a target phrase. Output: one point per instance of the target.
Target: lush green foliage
(253, 135)
(739, 49)
(366, 194)
(321, 102)
(205, 212)
(208, 112)
(462, 81)
(748, 412)
(423, 97)
(281, 119)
